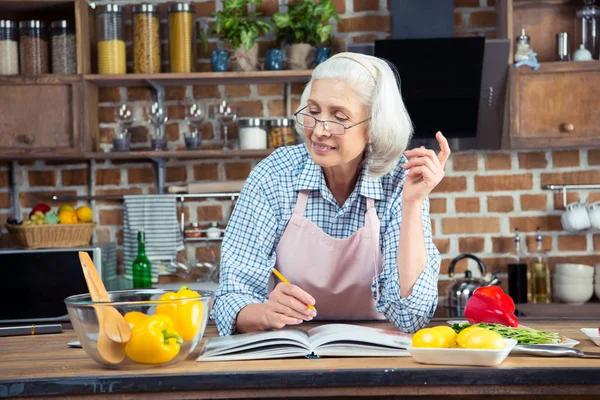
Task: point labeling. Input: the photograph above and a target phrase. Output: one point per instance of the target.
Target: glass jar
(146, 39)
(252, 133)
(588, 20)
(281, 133)
(33, 47)
(193, 231)
(64, 48)
(9, 48)
(181, 37)
(112, 57)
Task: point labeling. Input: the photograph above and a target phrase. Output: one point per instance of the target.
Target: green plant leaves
(232, 26)
(306, 22)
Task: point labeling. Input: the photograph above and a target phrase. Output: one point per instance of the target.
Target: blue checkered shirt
(263, 210)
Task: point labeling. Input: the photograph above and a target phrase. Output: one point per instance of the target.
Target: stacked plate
(574, 283)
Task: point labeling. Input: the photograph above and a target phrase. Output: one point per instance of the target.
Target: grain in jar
(33, 47)
(9, 48)
(281, 133)
(181, 37)
(146, 39)
(111, 40)
(64, 48)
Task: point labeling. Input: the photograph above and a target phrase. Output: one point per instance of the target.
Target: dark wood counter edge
(457, 380)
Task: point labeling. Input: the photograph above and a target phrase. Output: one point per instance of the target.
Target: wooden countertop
(38, 366)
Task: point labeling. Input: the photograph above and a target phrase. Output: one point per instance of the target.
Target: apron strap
(301, 203)
(372, 219)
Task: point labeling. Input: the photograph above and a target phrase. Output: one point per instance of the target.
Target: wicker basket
(49, 236)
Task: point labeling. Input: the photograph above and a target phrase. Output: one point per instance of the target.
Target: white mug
(594, 214)
(577, 216)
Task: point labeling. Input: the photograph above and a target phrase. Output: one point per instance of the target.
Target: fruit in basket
(13, 221)
(65, 207)
(67, 217)
(37, 218)
(51, 218)
(42, 207)
(84, 214)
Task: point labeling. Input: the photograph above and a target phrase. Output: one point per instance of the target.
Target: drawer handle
(568, 127)
(28, 139)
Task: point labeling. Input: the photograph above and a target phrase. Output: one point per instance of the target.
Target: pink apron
(336, 272)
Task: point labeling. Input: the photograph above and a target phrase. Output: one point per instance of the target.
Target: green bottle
(141, 267)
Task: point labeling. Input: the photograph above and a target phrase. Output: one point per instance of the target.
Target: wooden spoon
(113, 330)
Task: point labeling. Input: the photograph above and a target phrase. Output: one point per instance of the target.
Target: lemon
(448, 333)
(464, 334)
(84, 214)
(67, 217)
(428, 337)
(65, 207)
(484, 339)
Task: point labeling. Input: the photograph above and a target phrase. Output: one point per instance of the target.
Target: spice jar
(213, 231)
(146, 42)
(181, 37)
(252, 133)
(33, 47)
(9, 48)
(64, 48)
(193, 231)
(281, 133)
(111, 40)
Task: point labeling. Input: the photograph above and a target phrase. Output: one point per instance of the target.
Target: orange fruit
(65, 207)
(84, 214)
(68, 217)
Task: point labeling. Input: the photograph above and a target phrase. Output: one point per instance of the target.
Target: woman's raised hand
(425, 170)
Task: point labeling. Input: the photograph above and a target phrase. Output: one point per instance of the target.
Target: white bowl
(575, 270)
(573, 294)
(597, 291)
(458, 356)
(592, 334)
(570, 280)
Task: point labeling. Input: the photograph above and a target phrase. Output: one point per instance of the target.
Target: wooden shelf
(560, 66)
(199, 78)
(46, 79)
(138, 155)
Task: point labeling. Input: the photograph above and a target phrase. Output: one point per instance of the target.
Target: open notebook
(334, 340)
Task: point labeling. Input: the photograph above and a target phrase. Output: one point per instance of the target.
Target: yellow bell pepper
(186, 315)
(135, 317)
(153, 339)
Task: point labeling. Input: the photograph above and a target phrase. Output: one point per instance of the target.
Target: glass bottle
(64, 48)
(181, 37)
(540, 273)
(33, 47)
(141, 267)
(9, 48)
(146, 39)
(111, 40)
(588, 21)
(517, 272)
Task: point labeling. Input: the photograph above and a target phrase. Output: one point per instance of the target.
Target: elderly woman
(344, 217)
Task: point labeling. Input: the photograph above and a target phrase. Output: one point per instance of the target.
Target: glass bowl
(189, 317)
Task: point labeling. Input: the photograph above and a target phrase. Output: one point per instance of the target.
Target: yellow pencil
(284, 280)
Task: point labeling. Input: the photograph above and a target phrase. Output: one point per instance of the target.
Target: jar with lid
(252, 133)
(193, 231)
(588, 22)
(213, 231)
(181, 37)
(9, 48)
(64, 48)
(281, 133)
(33, 47)
(112, 57)
(146, 39)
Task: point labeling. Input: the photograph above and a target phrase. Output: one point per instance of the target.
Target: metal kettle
(461, 289)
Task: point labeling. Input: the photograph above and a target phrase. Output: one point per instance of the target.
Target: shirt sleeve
(410, 313)
(247, 256)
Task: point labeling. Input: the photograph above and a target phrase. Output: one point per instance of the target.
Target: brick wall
(483, 198)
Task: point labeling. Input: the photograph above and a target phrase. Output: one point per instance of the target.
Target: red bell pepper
(491, 307)
(497, 293)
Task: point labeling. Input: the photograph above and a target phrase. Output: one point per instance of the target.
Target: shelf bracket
(16, 200)
(159, 174)
(158, 96)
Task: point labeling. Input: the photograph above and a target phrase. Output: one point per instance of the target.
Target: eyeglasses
(335, 128)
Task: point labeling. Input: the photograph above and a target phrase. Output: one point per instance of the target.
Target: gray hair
(378, 85)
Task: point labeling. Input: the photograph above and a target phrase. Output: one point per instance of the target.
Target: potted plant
(240, 32)
(304, 26)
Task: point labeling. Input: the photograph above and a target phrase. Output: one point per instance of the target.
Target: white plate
(456, 356)
(592, 334)
(568, 343)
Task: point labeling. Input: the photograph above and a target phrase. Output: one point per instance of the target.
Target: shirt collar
(311, 178)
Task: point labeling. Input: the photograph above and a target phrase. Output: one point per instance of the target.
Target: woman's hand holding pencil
(288, 305)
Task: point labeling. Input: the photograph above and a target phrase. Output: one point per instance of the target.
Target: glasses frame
(324, 122)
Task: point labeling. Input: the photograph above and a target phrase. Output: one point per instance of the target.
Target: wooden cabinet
(556, 106)
(41, 114)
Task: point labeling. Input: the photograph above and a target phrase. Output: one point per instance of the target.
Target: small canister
(33, 38)
(181, 37)
(281, 132)
(111, 40)
(563, 52)
(64, 48)
(146, 39)
(252, 133)
(9, 48)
